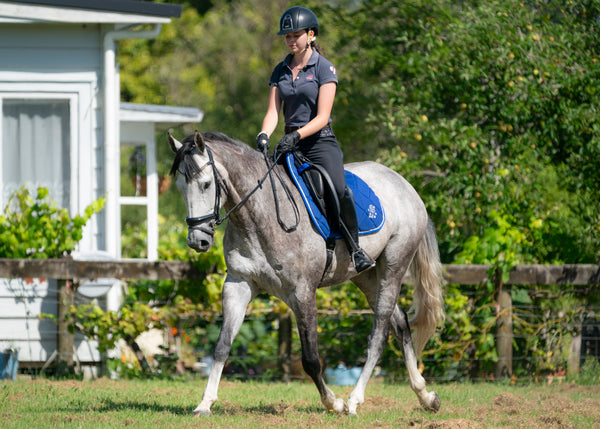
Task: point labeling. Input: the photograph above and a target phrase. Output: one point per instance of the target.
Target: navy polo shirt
(300, 97)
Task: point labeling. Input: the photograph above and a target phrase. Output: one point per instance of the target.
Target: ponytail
(316, 47)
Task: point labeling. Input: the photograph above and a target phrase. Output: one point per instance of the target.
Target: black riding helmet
(298, 18)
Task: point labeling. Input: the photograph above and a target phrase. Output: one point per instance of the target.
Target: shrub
(37, 228)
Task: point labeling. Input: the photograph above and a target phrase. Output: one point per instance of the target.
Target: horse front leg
(237, 294)
(306, 320)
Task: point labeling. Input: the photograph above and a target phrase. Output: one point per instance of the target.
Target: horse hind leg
(401, 332)
(382, 299)
(237, 294)
(429, 400)
(400, 329)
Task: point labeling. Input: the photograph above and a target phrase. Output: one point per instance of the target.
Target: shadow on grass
(226, 409)
(274, 409)
(107, 405)
(144, 406)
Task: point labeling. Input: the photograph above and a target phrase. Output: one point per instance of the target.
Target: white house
(62, 126)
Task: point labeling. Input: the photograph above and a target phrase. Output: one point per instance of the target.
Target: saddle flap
(322, 191)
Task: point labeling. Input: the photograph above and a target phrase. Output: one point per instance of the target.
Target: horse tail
(428, 296)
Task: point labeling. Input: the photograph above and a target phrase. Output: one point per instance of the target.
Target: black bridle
(221, 183)
(195, 221)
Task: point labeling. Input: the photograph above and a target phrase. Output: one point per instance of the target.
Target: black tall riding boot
(349, 229)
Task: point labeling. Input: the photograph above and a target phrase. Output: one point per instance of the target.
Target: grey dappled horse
(219, 172)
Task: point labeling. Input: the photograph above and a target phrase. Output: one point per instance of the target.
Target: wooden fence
(68, 271)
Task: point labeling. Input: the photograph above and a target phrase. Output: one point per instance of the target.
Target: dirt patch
(546, 410)
(506, 400)
(380, 402)
(508, 403)
(445, 424)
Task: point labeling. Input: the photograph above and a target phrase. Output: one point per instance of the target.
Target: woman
(305, 83)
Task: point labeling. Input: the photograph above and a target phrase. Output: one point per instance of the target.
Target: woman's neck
(302, 58)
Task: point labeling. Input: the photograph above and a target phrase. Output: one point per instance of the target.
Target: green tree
(220, 62)
(484, 106)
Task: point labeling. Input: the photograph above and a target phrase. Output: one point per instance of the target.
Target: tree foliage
(220, 62)
(486, 107)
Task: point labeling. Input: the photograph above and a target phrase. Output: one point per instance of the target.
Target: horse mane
(185, 164)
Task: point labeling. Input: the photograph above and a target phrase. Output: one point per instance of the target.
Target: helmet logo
(287, 23)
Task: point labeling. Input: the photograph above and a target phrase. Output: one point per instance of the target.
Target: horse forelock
(184, 161)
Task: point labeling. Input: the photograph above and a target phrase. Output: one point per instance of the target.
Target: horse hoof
(435, 403)
(339, 407)
(201, 413)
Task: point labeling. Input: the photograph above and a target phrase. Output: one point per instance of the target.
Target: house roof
(88, 11)
(162, 116)
(128, 6)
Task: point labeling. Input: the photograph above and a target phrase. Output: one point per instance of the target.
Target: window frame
(71, 99)
(79, 97)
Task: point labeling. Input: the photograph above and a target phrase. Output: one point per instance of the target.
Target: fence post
(285, 344)
(504, 329)
(574, 354)
(65, 343)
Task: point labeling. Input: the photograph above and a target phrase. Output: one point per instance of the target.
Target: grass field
(168, 404)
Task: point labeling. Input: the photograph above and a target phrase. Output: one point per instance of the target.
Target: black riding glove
(262, 143)
(288, 142)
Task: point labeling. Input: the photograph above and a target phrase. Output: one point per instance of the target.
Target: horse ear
(199, 141)
(174, 143)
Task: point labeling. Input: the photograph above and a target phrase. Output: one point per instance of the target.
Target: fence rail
(71, 269)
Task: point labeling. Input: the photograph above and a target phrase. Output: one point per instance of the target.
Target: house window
(36, 138)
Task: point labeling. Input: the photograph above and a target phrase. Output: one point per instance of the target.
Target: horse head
(197, 182)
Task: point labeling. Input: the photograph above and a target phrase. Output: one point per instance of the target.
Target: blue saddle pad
(369, 212)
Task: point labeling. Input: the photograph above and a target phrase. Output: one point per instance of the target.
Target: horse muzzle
(201, 237)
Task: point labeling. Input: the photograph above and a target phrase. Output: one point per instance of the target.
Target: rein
(219, 182)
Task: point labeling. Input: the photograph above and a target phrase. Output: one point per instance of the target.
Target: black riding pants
(325, 151)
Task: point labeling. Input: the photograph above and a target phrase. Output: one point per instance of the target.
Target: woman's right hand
(262, 142)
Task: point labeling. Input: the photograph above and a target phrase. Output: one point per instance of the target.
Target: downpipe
(111, 130)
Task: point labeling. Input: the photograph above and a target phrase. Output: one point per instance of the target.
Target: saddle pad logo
(372, 211)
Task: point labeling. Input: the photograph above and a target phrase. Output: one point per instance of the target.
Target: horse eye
(206, 186)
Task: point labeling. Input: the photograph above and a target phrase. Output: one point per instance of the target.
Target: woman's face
(297, 41)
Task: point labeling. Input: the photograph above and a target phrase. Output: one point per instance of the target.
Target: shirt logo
(332, 68)
(310, 77)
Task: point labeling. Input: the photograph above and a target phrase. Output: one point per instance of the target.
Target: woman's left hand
(288, 142)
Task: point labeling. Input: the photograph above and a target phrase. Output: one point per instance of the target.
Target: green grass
(166, 404)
